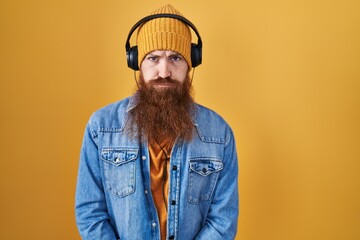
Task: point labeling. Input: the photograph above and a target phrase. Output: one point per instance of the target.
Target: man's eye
(152, 58)
(176, 58)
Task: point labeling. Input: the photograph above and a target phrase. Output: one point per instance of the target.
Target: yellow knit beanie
(164, 34)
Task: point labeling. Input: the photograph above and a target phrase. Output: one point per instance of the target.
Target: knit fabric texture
(164, 34)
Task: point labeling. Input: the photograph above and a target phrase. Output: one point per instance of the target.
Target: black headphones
(132, 52)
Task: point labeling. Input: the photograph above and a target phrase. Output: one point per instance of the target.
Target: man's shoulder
(115, 107)
(111, 116)
(210, 126)
(206, 114)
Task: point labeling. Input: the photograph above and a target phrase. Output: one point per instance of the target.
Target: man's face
(163, 64)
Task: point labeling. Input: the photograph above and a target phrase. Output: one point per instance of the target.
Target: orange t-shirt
(159, 177)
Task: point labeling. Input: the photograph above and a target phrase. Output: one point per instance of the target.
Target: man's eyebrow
(152, 55)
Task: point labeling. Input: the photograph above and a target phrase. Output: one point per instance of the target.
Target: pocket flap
(119, 156)
(205, 166)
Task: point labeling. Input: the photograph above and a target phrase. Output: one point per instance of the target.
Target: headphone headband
(162, 15)
(132, 52)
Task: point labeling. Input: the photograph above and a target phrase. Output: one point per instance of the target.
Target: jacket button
(173, 202)
(174, 168)
(171, 237)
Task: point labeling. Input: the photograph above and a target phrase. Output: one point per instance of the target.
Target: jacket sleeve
(92, 217)
(221, 222)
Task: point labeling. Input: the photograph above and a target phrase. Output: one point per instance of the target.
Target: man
(157, 165)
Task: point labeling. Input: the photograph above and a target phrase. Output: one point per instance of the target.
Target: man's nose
(164, 69)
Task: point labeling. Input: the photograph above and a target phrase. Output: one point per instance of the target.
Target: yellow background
(284, 73)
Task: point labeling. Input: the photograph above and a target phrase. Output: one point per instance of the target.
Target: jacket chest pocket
(203, 175)
(119, 170)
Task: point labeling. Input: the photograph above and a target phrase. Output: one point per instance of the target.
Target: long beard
(162, 113)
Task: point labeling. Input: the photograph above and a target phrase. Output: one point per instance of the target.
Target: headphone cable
(192, 76)
(137, 84)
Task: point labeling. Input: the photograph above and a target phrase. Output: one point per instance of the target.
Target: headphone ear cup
(196, 55)
(132, 58)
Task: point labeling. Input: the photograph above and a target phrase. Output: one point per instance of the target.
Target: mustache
(166, 81)
(163, 80)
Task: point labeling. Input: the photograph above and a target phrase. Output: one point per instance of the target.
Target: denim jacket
(113, 194)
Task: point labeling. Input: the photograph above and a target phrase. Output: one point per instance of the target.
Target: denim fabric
(113, 194)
